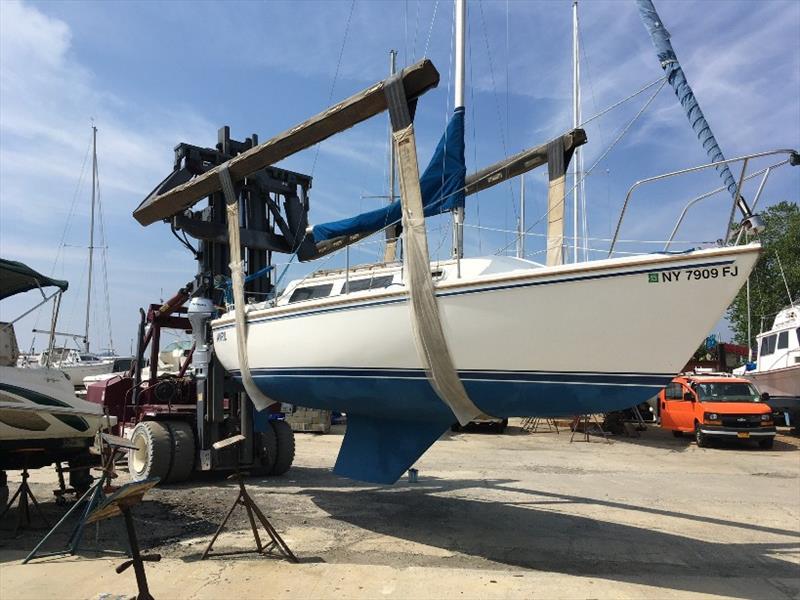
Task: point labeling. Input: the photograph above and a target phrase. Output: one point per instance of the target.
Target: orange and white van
(716, 405)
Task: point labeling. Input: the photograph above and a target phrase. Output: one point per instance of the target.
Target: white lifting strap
(260, 399)
(426, 323)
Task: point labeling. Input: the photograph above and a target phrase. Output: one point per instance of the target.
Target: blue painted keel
(394, 415)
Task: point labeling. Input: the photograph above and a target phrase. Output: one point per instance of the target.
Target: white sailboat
(79, 363)
(405, 348)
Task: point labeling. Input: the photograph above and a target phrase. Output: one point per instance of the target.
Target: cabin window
(311, 292)
(783, 340)
(768, 345)
(798, 335)
(674, 391)
(371, 283)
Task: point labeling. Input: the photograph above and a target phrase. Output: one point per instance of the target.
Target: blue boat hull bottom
(394, 415)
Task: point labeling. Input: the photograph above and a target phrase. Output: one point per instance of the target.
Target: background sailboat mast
(390, 253)
(91, 239)
(576, 121)
(460, 31)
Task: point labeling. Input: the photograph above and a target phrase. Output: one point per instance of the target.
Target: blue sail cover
(442, 186)
(677, 79)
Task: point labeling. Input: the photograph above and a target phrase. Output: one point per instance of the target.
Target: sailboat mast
(576, 120)
(91, 238)
(521, 226)
(458, 101)
(390, 251)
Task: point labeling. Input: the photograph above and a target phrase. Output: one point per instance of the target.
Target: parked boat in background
(776, 370)
(41, 419)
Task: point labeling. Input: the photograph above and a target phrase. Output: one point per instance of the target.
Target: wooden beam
(417, 79)
(518, 164)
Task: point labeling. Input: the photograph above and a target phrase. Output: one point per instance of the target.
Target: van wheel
(766, 443)
(677, 434)
(700, 437)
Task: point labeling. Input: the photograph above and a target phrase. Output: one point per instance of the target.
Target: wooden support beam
(417, 79)
(525, 161)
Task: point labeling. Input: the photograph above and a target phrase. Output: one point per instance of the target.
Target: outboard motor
(199, 313)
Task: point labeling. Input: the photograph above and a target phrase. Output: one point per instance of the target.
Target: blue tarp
(442, 186)
(677, 79)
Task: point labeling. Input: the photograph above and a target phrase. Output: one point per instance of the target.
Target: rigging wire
(597, 162)
(104, 261)
(430, 29)
(496, 101)
(336, 74)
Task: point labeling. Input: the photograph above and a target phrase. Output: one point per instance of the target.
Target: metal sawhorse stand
(244, 499)
(92, 498)
(584, 420)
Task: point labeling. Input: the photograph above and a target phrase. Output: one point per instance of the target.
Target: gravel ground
(514, 515)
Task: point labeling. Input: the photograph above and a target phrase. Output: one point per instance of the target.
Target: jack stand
(121, 502)
(533, 424)
(24, 512)
(584, 420)
(93, 497)
(251, 507)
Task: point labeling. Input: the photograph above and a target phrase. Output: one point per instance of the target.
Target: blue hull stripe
(463, 292)
(637, 379)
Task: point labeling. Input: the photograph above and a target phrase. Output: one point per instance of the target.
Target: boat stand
(244, 499)
(533, 424)
(120, 503)
(25, 494)
(583, 421)
(92, 498)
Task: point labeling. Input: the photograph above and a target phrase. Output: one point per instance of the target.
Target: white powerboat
(76, 364)
(41, 419)
(777, 368)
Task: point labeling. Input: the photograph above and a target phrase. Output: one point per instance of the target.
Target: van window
(674, 391)
(767, 345)
(783, 340)
(310, 292)
(370, 283)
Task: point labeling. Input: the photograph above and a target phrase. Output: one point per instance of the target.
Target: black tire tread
(183, 451)
(285, 438)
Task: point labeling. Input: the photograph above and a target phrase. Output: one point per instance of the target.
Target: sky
(152, 74)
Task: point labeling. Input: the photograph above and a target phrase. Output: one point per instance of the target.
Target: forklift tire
(285, 438)
(153, 456)
(183, 451)
(3, 491)
(269, 451)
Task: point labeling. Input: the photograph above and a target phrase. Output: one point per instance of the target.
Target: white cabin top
(779, 347)
(369, 279)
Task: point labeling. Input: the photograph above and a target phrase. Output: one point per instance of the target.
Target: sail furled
(677, 79)
(442, 186)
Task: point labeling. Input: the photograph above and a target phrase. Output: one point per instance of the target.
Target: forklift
(174, 417)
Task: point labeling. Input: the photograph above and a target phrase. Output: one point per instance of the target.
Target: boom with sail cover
(442, 186)
(677, 79)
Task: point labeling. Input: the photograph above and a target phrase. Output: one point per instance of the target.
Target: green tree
(781, 247)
